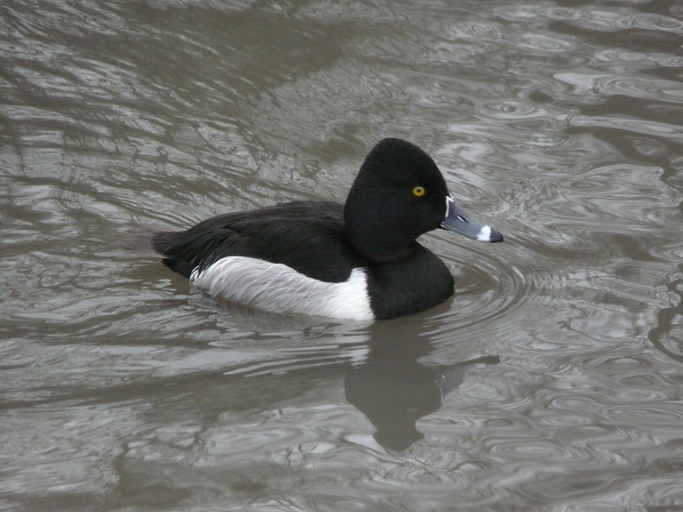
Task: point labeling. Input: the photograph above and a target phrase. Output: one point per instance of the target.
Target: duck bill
(456, 220)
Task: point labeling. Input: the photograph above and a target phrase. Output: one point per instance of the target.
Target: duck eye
(419, 191)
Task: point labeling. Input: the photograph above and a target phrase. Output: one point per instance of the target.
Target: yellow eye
(419, 191)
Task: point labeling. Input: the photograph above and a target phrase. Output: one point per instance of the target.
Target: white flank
(484, 234)
(281, 289)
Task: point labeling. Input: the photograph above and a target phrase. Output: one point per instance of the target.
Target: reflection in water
(394, 390)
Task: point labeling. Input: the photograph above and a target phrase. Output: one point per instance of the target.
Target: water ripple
(551, 379)
(637, 87)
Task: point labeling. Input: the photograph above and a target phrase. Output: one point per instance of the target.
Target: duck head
(398, 195)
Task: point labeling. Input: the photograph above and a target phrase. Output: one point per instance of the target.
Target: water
(552, 380)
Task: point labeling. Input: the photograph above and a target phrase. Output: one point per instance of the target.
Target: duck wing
(307, 236)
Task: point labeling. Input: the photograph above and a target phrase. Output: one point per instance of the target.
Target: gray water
(553, 379)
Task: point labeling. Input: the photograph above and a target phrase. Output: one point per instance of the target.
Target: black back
(308, 236)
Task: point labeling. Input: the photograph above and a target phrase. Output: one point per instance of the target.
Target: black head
(398, 195)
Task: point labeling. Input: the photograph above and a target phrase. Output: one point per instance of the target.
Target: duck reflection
(394, 389)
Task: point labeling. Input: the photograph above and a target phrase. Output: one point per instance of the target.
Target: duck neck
(374, 240)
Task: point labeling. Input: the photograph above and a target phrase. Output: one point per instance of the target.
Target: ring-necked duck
(359, 260)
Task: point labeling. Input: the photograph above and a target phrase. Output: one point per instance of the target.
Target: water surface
(553, 380)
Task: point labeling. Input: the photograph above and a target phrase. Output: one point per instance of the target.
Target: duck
(356, 261)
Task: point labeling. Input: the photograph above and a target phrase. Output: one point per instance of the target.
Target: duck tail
(153, 241)
(147, 240)
(163, 241)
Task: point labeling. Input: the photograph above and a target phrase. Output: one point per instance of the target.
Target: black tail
(164, 243)
(148, 240)
(139, 239)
